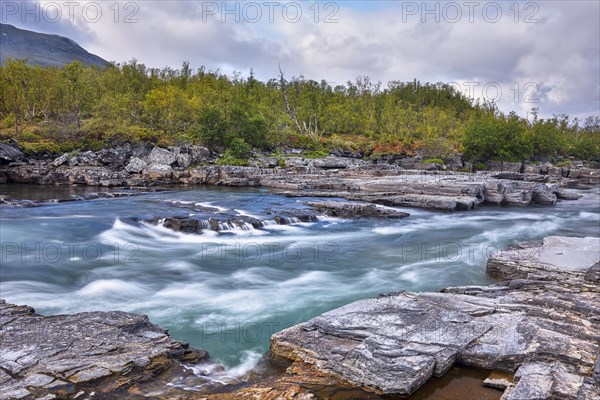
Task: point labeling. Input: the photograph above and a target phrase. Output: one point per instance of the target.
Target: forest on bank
(50, 110)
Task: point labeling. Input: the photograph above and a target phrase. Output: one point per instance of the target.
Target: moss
(229, 158)
(320, 153)
(563, 164)
(48, 146)
(434, 161)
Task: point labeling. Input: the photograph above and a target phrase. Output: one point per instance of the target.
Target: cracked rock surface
(543, 325)
(96, 352)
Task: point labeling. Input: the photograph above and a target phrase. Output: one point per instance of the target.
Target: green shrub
(9, 121)
(320, 153)
(237, 153)
(563, 163)
(281, 162)
(240, 149)
(211, 129)
(434, 161)
(25, 136)
(48, 146)
(480, 166)
(501, 137)
(229, 159)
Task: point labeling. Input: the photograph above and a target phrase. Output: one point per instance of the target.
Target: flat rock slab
(63, 355)
(570, 253)
(355, 210)
(498, 380)
(555, 253)
(544, 329)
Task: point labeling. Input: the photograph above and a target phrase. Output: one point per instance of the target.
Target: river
(227, 292)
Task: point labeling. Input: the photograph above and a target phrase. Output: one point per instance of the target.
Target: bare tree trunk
(303, 129)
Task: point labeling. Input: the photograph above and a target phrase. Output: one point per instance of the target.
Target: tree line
(53, 110)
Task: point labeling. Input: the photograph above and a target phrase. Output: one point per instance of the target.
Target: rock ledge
(543, 325)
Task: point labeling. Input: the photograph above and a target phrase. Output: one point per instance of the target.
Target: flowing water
(227, 292)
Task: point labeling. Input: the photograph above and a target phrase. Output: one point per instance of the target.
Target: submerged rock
(541, 325)
(185, 225)
(220, 224)
(355, 210)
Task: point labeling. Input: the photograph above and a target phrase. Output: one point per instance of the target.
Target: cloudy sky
(523, 54)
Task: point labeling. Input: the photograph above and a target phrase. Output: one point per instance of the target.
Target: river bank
(386, 182)
(164, 221)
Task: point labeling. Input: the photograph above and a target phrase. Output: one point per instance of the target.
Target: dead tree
(312, 129)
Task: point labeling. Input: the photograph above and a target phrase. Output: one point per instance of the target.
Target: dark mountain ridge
(43, 49)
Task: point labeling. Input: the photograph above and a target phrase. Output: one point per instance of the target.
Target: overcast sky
(542, 54)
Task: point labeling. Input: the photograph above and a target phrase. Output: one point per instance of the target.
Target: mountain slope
(42, 49)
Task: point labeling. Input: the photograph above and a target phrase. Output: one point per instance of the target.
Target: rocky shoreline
(540, 325)
(391, 183)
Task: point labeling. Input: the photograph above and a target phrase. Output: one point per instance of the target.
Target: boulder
(135, 165)
(504, 166)
(161, 156)
(141, 150)
(408, 162)
(115, 157)
(158, 171)
(427, 166)
(197, 154)
(455, 162)
(9, 154)
(61, 160)
(183, 160)
(87, 158)
(333, 162)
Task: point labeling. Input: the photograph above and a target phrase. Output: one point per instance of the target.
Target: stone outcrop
(542, 324)
(351, 178)
(94, 354)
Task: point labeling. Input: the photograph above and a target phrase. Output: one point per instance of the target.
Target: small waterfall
(204, 224)
(287, 220)
(190, 225)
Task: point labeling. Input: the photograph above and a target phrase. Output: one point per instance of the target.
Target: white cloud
(560, 53)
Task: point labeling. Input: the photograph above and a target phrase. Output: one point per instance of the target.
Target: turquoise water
(228, 292)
